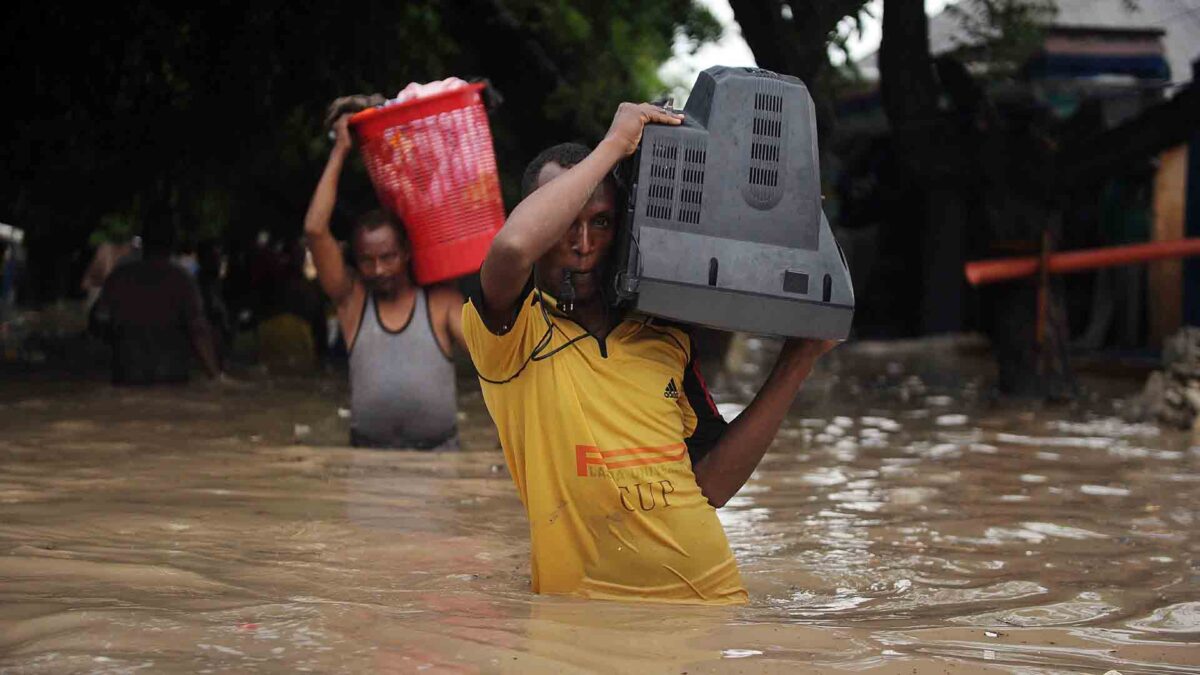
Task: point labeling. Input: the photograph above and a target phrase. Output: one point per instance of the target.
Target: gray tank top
(402, 392)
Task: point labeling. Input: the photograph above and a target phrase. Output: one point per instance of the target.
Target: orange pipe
(1003, 269)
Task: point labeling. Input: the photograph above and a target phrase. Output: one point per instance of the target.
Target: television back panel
(723, 225)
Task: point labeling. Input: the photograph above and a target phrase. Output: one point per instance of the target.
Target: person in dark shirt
(154, 318)
(294, 293)
(210, 284)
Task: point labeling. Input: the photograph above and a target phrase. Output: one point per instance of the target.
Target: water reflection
(908, 524)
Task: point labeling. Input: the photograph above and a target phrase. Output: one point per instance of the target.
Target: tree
(564, 66)
(793, 38)
(216, 112)
(1001, 35)
(985, 175)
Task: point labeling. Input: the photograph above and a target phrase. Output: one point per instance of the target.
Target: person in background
(210, 281)
(1126, 217)
(399, 335)
(151, 312)
(293, 332)
(109, 255)
(10, 270)
(187, 259)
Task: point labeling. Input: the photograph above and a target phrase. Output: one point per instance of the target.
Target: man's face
(382, 261)
(584, 249)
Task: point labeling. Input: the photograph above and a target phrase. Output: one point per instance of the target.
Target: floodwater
(903, 522)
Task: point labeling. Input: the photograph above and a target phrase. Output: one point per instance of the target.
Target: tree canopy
(794, 38)
(216, 111)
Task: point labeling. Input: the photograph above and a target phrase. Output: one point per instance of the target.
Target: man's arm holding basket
(335, 279)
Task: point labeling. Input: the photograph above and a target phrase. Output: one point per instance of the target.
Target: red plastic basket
(432, 165)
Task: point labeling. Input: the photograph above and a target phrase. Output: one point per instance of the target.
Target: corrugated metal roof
(1179, 19)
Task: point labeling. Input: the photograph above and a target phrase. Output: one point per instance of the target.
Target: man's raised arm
(327, 255)
(543, 217)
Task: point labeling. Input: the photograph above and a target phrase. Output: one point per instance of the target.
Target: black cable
(536, 353)
(514, 376)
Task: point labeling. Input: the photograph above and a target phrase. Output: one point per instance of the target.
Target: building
(1120, 71)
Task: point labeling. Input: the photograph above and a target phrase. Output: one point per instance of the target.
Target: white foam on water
(730, 411)
(881, 422)
(1097, 443)
(1063, 531)
(1104, 490)
(1107, 426)
(944, 450)
(739, 653)
(1179, 618)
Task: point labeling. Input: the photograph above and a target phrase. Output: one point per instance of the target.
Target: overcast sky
(731, 50)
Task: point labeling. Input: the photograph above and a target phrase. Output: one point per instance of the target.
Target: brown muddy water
(903, 522)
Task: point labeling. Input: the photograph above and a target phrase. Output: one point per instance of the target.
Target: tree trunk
(931, 148)
(798, 45)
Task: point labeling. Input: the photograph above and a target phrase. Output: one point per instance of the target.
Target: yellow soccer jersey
(596, 437)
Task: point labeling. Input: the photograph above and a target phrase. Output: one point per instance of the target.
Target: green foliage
(113, 227)
(216, 113)
(1001, 35)
(796, 38)
(846, 72)
(611, 52)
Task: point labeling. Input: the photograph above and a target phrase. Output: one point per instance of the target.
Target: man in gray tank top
(400, 336)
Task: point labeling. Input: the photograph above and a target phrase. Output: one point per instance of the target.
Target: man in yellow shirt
(617, 451)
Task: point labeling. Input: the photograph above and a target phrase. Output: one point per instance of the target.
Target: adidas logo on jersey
(671, 391)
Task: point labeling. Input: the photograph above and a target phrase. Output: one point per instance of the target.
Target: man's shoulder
(133, 269)
(445, 294)
(665, 324)
(174, 274)
(476, 309)
(676, 335)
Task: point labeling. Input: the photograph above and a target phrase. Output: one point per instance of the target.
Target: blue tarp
(1057, 66)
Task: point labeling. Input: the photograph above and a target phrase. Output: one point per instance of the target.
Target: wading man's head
(583, 251)
(381, 253)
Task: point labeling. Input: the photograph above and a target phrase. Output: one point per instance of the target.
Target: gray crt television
(722, 223)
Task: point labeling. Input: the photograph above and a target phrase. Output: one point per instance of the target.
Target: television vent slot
(762, 189)
(768, 102)
(691, 183)
(660, 192)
